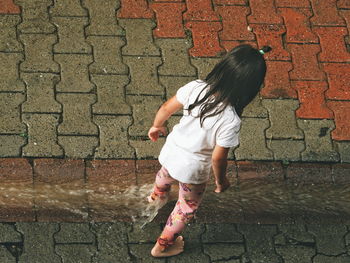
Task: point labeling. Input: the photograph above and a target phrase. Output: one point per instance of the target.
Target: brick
(110, 94)
(114, 137)
(338, 76)
(175, 57)
(139, 37)
(75, 252)
(169, 20)
(252, 140)
(340, 173)
(74, 72)
(295, 232)
(305, 62)
(77, 114)
(228, 45)
(102, 18)
(223, 251)
(16, 170)
(222, 233)
(341, 111)
(141, 251)
(205, 39)
(9, 234)
(234, 23)
(74, 233)
(144, 110)
(38, 53)
(143, 75)
(147, 149)
(173, 83)
(134, 9)
(42, 137)
(298, 26)
(11, 145)
(259, 170)
(264, 12)
(231, 2)
(78, 146)
(68, 8)
(286, 150)
(319, 258)
(271, 35)
(9, 77)
(40, 93)
(35, 16)
(292, 252)
(292, 3)
(344, 151)
(346, 15)
(204, 65)
(8, 7)
(282, 119)
(333, 44)
(8, 40)
(312, 100)
(107, 55)
(38, 242)
(325, 13)
(318, 140)
(146, 171)
(71, 37)
(277, 84)
(255, 109)
(10, 118)
(200, 10)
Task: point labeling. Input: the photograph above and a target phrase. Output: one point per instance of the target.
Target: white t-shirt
(187, 151)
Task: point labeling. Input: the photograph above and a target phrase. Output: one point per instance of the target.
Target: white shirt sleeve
(183, 93)
(228, 134)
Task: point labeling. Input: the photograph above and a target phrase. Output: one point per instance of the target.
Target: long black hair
(234, 81)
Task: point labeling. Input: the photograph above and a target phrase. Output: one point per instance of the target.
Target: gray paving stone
(142, 253)
(288, 150)
(252, 140)
(67, 8)
(282, 119)
(103, 20)
(8, 40)
(259, 242)
(223, 251)
(144, 109)
(78, 146)
(9, 77)
(10, 145)
(329, 238)
(191, 254)
(221, 233)
(296, 253)
(139, 37)
(71, 37)
(74, 73)
(110, 94)
(38, 242)
(9, 234)
(38, 53)
(172, 121)
(343, 150)
(143, 75)
(5, 256)
(148, 234)
(173, 83)
(74, 233)
(331, 259)
(107, 55)
(204, 65)
(114, 137)
(10, 116)
(318, 140)
(147, 149)
(77, 114)
(111, 243)
(75, 253)
(35, 17)
(293, 234)
(255, 109)
(40, 93)
(42, 137)
(175, 57)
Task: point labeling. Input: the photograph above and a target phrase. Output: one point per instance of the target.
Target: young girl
(201, 140)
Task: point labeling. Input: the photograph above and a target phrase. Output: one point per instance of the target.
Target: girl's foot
(157, 201)
(175, 249)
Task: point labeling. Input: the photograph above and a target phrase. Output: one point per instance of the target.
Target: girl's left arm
(165, 111)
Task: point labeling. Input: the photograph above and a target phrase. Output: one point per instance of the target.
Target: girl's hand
(222, 185)
(154, 132)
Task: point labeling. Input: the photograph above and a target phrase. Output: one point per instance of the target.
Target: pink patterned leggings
(190, 197)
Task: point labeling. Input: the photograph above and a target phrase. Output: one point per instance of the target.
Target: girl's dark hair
(234, 81)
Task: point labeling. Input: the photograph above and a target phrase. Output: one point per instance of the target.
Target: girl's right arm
(219, 163)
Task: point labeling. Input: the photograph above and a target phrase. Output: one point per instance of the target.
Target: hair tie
(261, 51)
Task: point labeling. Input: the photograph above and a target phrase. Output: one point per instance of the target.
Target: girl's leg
(190, 197)
(162, 185)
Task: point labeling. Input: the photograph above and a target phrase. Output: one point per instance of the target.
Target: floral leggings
(190, 197)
